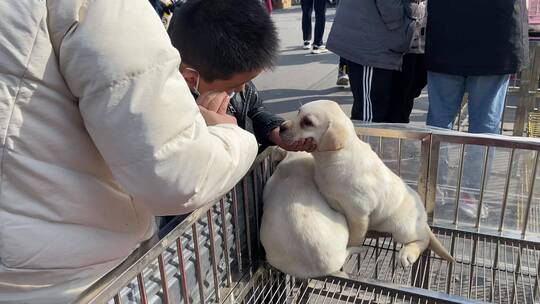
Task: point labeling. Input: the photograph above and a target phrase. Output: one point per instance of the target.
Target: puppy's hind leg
(410, 252)
(358, 228)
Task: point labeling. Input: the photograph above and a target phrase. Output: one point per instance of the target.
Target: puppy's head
(324, 121)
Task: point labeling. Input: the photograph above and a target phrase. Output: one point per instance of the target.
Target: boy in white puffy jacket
(100, 134)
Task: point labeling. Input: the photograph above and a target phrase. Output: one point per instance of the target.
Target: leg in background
(307, 9)
(371, 91)
(320, 21)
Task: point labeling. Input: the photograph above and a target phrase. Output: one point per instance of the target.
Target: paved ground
(301, 77)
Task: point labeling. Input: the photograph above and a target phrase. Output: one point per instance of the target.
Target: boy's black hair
(220, 38)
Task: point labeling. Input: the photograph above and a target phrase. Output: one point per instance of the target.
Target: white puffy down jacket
(99, 133)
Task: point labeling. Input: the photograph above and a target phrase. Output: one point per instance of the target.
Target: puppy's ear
(333, 139)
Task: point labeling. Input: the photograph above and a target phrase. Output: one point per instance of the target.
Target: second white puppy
(355, 181)
(301, 234)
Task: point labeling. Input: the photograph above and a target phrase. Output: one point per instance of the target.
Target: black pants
(385, 95)
(320, 19)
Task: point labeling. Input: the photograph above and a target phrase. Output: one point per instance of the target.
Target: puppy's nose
(284, 126)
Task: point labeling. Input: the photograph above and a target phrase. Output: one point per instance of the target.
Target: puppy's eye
(306, 122)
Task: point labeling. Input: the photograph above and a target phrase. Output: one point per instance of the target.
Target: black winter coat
(477, 37)
(252, 116)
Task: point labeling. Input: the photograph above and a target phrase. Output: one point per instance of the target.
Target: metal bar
(400, 290)
(492, 140)
(505, 266)
(434, 145)
(182, 268)
(438, 273)
(529, 274)
(536, 290)
(225, 243)
(377, 253)
(482, 187)
(506, 187)
(393, 259)
(257, 198)
(117, 299)
(142, 288)
(462, 267)
(213, 253)
(424, 176)
(381, 147)
(494, 271)
(513, 238)
(163, 280)
(246, 218)
(392, 131)
(449, 274)
(531, 192)
(458, 186)
(399, 157)
(516, 273)
(236, 229)
(472, 265)
(198, 269)
(484, 250)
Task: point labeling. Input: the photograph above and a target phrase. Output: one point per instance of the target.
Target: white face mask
(196, 88)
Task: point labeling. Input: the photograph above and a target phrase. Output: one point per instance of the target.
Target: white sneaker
(319, 49)
(307, 45)
(342, 78)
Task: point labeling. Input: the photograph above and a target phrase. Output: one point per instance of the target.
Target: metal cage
(214, 255)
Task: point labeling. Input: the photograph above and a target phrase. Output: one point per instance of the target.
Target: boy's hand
(213, 107)
(301, 145)
(213, 118)
(214, 101)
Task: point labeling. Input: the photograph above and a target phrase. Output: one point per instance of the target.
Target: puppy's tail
(437, 247)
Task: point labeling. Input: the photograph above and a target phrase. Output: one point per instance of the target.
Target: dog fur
(355, 181)
(301, 234)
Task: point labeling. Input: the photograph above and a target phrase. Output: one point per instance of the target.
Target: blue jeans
(486, 100)
(485, 107)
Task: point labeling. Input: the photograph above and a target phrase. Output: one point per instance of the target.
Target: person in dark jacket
(473, 47)
(373, 37)
(223, 48)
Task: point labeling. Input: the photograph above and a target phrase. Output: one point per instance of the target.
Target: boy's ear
(190, 77)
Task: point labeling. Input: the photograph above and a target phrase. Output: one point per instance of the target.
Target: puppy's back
(302, 235)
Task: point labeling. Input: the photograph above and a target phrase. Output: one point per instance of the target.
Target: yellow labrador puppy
(301, 234)
(355, 181)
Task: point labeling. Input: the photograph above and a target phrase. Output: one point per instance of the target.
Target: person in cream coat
(99, 134)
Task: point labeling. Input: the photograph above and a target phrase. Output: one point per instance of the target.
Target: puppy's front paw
(408, 255)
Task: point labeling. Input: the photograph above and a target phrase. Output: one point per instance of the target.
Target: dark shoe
(319, 49)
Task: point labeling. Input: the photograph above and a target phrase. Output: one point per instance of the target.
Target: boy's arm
(263, 120)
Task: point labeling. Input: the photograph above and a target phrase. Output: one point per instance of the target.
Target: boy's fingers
(205, 98)
(224, 105)
(215, 103)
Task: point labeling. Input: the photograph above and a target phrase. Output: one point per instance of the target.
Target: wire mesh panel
(483, 204)
(202, 260)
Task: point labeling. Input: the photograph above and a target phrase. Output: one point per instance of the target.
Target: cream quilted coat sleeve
(117, 60)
